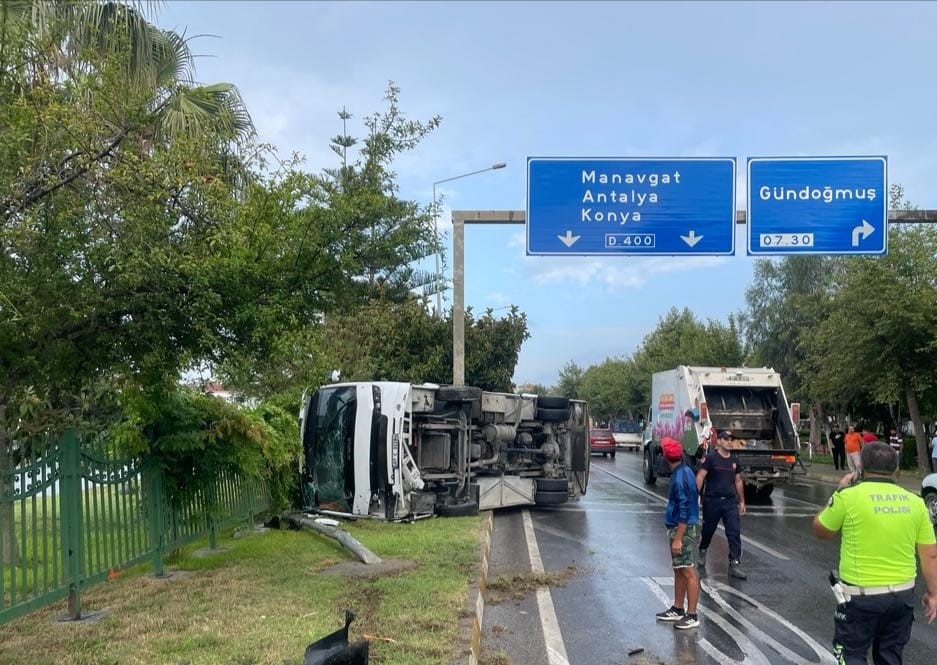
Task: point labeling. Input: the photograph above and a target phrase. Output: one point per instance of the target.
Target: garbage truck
(397, 450)
(692, 404)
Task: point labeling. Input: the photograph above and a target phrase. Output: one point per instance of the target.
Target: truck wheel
(648, 468)
(552, 485)
(459, 393)
(612, 454)
(552, 402)
(553, 415)
(457, 509)
(551, 498)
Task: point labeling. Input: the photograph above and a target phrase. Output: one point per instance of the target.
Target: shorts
(687, 556)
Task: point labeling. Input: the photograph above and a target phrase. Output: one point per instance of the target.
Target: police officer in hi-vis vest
(883, 525)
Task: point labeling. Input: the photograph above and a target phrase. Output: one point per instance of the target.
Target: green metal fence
(73, 511)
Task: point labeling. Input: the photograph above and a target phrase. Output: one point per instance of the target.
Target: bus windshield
(329, 447)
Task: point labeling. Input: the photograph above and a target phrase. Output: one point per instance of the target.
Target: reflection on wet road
(613, 546)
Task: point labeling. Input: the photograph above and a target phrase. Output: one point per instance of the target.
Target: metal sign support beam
(462, 217)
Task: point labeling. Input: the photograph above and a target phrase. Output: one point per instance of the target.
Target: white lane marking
(556, 650)
(625, 509)
(826, 658)
(750, 653)
(632, 485)
(751, 541)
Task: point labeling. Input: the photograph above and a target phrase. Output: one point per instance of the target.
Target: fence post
(154, 503)
(212, 501)
(71, 500)
(250, 486)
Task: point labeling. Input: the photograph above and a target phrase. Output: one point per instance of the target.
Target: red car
(602, 441)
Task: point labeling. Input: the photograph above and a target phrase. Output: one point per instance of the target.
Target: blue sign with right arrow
(817, 205)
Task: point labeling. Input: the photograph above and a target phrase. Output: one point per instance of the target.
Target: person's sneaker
(673, 614)
(702, 558)
(687, 621)
(736, 572)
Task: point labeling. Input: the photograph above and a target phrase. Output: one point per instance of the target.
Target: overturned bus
(395, 450)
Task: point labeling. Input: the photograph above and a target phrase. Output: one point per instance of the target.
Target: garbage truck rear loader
(395, 450)
(688, 402)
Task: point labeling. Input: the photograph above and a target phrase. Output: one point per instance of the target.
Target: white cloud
(612, 272)
(499, 299)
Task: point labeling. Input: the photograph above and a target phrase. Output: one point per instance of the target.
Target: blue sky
(513, 80)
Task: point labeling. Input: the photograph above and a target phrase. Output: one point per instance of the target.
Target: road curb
(475, 605)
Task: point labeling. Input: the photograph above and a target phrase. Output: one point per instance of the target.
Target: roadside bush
(281, 450)
(196, 437)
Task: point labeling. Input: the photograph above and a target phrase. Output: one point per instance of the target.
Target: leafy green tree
(404, 342)
(570, 380)
(114, 172)
(786, 301)
(880, 335)
(681, 339)
(337, 247)
(612, 391)
(492, 346)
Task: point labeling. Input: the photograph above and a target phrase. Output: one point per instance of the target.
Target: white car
(627, 434)
(929, 492)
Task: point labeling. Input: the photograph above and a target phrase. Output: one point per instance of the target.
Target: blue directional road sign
(648, 207)
(817, 205)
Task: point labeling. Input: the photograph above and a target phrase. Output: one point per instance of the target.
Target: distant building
(217, 390)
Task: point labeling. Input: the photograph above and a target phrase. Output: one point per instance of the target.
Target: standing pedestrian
(838, 446)
(681, 520)
(719, 481)
(853, 446)
(883, 525)
(896, 443)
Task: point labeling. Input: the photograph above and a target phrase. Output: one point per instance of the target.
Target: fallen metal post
(347, 541)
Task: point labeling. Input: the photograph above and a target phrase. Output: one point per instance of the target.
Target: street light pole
(493, 167)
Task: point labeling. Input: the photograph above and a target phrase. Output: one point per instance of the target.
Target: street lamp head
(498, 165)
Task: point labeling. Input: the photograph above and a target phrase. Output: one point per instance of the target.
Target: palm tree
(75, 35)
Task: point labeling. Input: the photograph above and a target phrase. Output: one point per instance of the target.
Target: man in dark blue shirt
(681, 520)
(720, 483)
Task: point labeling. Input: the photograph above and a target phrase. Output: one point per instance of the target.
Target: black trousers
(839, 457)
(726, 509)
(882, 622)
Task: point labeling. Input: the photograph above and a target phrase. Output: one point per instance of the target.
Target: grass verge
(264, 598)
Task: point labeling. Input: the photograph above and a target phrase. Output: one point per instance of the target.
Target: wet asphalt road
(610, 547)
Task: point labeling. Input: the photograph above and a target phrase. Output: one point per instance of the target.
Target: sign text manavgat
(630, 197)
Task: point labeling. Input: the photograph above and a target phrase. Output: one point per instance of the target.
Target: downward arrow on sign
(692, 238)
(569, 238)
